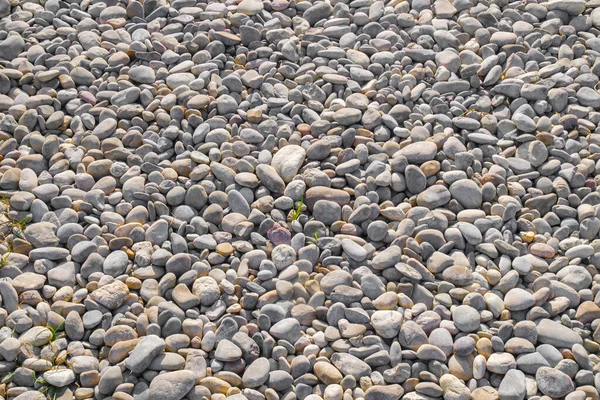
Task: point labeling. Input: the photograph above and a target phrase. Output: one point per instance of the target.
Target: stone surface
(313, 200)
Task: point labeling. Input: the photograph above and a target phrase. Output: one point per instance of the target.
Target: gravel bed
(299, 200)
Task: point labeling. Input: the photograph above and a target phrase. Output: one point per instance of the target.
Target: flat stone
(59, 378)
(143, 354)
(419, 152)
(350, 365)
(227, 351)
(172, 385)
(347, 116)
(466, 318)
(553, 382)
(556, 334)
(257, 373)
(518, 299)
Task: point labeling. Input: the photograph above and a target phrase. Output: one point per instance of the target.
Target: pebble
(263, 200)
(171, 385)
(466, 318)
(256, 373)
(518, 300)
(288, 161)
(555, 334)
(553, 382)
(350, 365)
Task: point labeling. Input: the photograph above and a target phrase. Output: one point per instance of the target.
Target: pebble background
(296, 200)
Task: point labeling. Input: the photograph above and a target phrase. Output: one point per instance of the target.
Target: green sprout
(298, 211)
(7, 377)
(39, 380)
(58, 328)
(21, 224)
(4, 260)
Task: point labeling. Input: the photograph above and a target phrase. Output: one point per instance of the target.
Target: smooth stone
(556, 334)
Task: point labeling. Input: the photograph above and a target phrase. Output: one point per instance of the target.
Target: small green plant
(4, 260)
(48, 391)
(316, 235)
(10, 244)
(39, 380)
(58, 328)
(51, 329)
(8, 377)
(298, 211)
(10, 229)
(20, 225)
